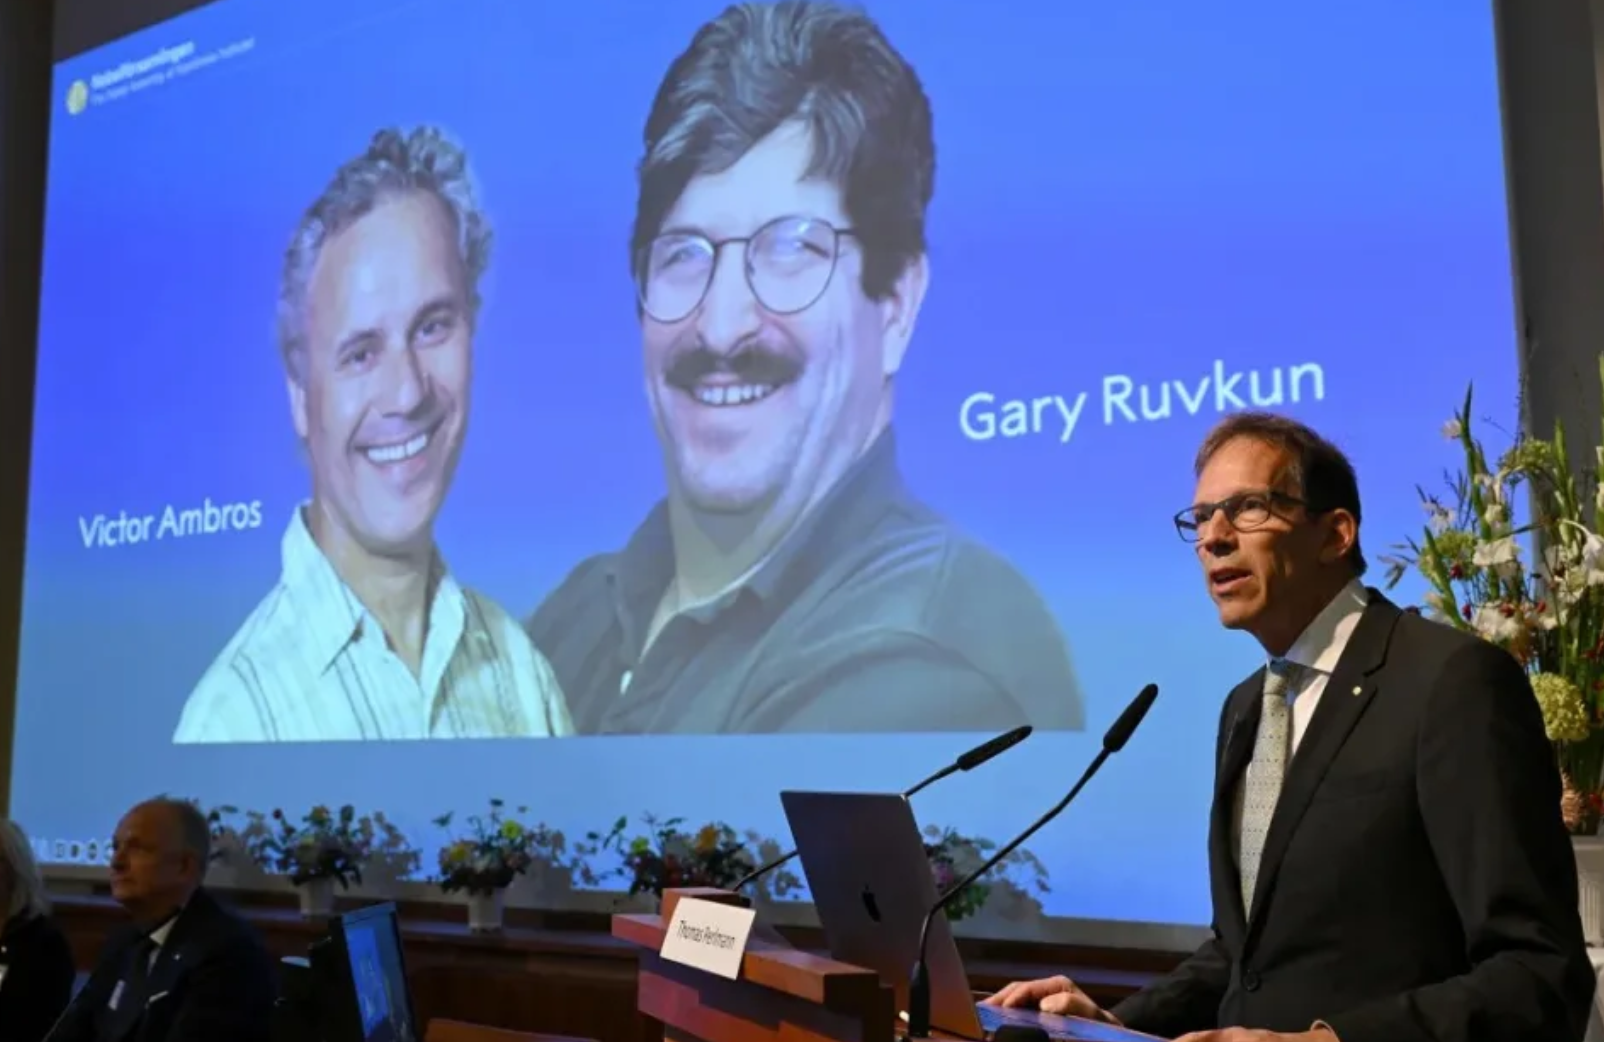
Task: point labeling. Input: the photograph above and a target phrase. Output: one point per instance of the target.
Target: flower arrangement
(325, 845)
(495, 850)
(1550, 613)
(953, 856)
(667, 856)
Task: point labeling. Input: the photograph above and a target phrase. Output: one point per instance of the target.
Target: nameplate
(708, 936)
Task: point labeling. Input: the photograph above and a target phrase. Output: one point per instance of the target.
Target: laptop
(377, 1004)
(865, 864)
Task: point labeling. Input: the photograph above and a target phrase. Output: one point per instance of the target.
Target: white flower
(1569, 589)
(1592, 563)
(1493, 623)
(1499, 555)
(1575, 565)
(1453, 429)
(1492, 487)
(1496, 516)
(1439, 518)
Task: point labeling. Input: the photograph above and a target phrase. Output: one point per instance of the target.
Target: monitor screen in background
(1141, 218)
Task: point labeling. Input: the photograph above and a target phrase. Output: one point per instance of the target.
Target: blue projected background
(1155, 194)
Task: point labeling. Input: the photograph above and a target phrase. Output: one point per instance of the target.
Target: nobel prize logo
(77, 97)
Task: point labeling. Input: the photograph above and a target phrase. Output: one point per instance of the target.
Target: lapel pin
(1358, 690)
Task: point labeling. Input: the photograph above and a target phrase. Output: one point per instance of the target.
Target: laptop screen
(378, 975)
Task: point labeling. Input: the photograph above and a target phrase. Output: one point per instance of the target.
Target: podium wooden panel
(558, 972)
(782, 995)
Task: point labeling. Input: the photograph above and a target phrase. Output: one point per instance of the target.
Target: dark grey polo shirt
(875, 614)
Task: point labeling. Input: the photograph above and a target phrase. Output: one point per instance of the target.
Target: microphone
(1113, 741)
(976, 756)
(986, 750)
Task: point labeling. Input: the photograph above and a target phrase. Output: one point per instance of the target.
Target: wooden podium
(782, 995)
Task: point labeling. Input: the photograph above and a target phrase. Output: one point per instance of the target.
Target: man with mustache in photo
(789, 582)
(367, 636)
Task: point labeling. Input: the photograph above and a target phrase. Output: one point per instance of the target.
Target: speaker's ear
(1342, 532)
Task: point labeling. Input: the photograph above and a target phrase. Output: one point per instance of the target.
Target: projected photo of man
(789, 581)
(367, 635)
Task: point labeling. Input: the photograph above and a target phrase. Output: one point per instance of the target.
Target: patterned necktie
(1261, 787)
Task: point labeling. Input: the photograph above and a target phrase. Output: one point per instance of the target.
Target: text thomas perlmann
(709, 936)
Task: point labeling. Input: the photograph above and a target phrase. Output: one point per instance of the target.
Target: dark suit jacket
(38, 978)
(213, 981)
(1417, 882)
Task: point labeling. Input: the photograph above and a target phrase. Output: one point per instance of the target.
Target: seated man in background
(36, 968)
(188, 970)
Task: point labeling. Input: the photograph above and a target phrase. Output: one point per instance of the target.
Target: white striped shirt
(311, 664)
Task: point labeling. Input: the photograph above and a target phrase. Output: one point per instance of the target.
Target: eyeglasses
(788, 266)
(1245, 511)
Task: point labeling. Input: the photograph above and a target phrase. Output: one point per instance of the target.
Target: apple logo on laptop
(870, 905)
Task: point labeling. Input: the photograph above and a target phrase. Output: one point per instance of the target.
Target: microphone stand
(1118, 734)
(919, 986)
(988, 749)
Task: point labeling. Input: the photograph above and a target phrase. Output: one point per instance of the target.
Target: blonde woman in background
(36, 968)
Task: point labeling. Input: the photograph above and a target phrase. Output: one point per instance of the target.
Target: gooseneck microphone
(986, 750)
(976, 756)
(1113, 741)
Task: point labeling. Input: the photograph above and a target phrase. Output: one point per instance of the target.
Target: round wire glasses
(788, 264)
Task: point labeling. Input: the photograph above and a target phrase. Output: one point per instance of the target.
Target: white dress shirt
(158, 937)
(312, 664)
(1317, 650)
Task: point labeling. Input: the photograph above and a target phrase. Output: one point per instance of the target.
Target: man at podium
(1386, 854)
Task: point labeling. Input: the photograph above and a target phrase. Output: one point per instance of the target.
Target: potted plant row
(487, 853)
